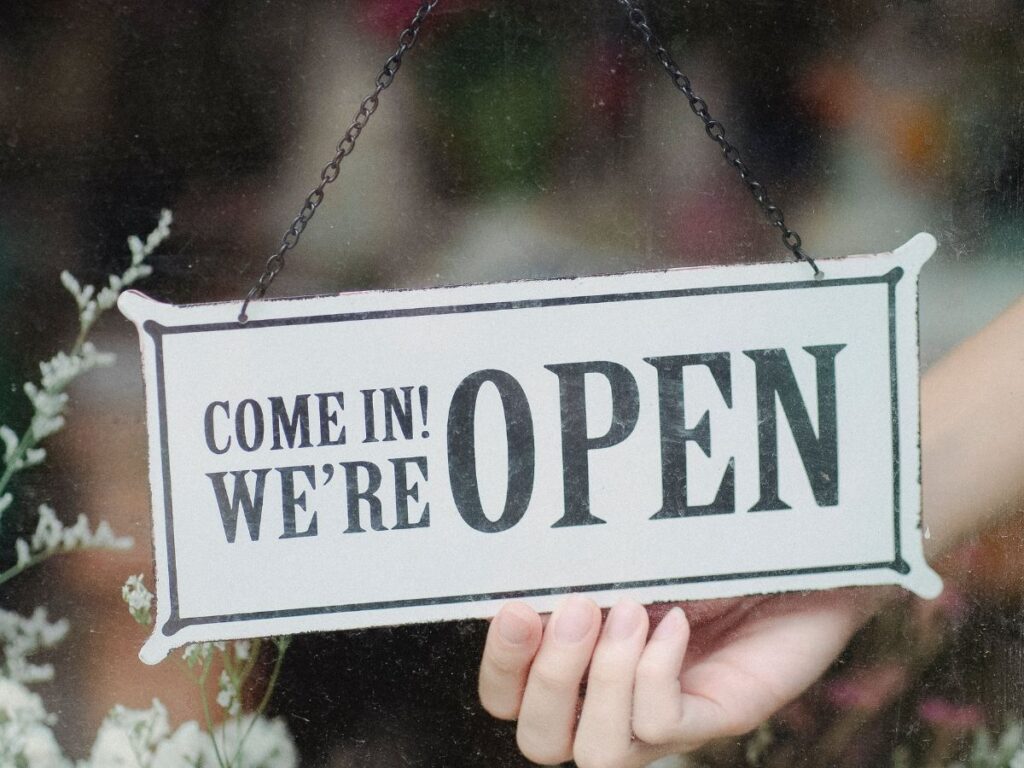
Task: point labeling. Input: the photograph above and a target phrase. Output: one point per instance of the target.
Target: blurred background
(520, 139)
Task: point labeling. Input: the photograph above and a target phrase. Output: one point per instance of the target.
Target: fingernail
(670, 625)
(623, 621)
(513, 628)
(573, 620)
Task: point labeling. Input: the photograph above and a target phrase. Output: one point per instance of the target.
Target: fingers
(604, 736)
(639, 704)
(664, 713)
(512, 642)
(656, 705)
(547, 717)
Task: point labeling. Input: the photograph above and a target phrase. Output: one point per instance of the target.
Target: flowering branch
(49, 398)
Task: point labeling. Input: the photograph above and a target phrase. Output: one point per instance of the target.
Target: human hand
(720, 671)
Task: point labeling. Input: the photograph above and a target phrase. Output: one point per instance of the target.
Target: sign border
(157, 331)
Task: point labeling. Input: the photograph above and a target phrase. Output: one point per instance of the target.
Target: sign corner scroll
(397, 457)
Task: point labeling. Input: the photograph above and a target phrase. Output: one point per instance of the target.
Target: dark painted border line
(155, 330)
(497, 306)
(893, 277)
(175, 623)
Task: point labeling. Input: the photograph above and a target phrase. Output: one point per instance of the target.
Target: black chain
(345, 147)
(716, 132)
(638, 21)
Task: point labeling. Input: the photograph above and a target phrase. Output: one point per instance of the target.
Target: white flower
(243, 649)
(51, 536)
(43, 426)
(113, 748)
(267, 745)
(25, 735)
(68, 281)
(127, 737)
(20, 637)
(40, 749)
(139, 599)
(104, 538)
(18, 703)
(93, 358)
(33, 457)
(139, 250)
(189, 746)
(197, 653)
(24, 552)
(107, 297)
(228, 695)
(5, 502)
(10, 440)
(81, 295)
(48, 529)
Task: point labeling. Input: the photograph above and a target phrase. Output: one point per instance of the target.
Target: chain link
(332, 170)
(638, 21)
(716, 132)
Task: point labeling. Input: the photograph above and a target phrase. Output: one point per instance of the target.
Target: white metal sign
(410, 456)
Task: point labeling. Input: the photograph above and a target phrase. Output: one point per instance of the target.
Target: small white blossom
(197, 653)
(20, 638)
(107, 297)
(105, 538)
(33, 457)
(131, 738)
(137, 273)
(48, 529)
(40, 749)
(189, 746)
(71, 284)
(127, 737)
(228, 695)
(44, 426)
(139, 599)
(48, 398)
(19, 703)
(267, 745)
(24, 553)
(93, 358)
(243, 649)
(52, 536)
(25, 735)
(61, 369)
(76, 536)
(88, 314)
(137, 249)
(10, 440)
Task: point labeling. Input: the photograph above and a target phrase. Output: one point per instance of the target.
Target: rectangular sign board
(409, 456)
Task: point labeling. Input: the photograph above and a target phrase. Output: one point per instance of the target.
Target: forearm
(972, 433)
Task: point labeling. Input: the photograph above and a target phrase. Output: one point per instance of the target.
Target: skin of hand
(722, 667)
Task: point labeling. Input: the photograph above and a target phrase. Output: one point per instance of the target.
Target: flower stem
(282, 644)
(206, 713)
(36, 559)
(24, 445)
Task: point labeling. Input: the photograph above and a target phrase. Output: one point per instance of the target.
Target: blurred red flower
(949, 715)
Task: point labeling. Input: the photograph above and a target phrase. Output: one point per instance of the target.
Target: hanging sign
(409, 456)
